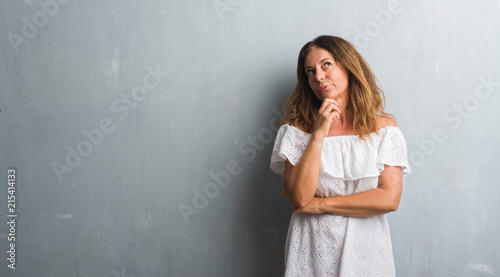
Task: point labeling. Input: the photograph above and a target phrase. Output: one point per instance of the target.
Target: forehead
(317, 55)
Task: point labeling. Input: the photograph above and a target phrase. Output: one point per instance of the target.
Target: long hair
(366, 99)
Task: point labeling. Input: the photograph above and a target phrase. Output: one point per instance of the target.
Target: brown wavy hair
(366, 99)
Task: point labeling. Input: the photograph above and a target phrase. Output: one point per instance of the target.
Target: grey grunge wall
(136, 135)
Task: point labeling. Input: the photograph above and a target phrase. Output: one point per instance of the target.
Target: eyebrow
(308, 66)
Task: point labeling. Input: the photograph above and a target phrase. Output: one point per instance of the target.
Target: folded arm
(301, 180)
(383, 199)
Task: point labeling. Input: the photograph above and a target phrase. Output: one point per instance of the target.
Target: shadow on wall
(247, 229)
(268, 211)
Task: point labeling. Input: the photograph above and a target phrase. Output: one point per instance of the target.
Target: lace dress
(334, 245)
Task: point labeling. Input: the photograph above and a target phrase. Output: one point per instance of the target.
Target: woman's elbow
(386, 205)
(391, 200)
(299, 202)
(392, 208)
(392, 205)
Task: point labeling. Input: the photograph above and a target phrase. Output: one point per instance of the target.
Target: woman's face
(326, 78)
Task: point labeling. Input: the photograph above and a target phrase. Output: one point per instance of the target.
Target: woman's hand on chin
(328, 112)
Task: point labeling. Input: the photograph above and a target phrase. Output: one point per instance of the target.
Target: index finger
(331, 100)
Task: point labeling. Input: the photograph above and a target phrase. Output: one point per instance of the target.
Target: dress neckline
(341, 136)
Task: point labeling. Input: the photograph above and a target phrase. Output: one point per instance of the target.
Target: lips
(323, 88)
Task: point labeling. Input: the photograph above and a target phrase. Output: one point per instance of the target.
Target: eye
(309, 71)
(327, 64)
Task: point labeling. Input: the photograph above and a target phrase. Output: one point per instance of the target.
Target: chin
(319, 96)
(330, 95)
(326, 94)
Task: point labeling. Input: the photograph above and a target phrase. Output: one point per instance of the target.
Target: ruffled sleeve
(289, 145)
(392, 151)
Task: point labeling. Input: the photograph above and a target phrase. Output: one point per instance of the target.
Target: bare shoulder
(384, 121)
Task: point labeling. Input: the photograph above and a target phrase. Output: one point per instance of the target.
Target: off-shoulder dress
(335, 245)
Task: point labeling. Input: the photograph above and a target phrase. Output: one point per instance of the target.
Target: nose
(320, 75)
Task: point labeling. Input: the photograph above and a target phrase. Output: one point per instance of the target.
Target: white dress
(334, 245)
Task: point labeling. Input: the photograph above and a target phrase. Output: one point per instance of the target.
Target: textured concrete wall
(140, 132)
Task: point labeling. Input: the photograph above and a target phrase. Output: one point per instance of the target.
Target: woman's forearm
(383, 199)
(369, 203)
(301, 181)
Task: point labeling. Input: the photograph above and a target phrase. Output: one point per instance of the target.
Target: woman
(342, 158)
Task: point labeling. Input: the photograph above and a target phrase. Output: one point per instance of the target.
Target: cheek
(341, 78)
(345, 77)
(345, 81)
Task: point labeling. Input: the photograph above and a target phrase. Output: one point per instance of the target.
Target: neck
(345, 122)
